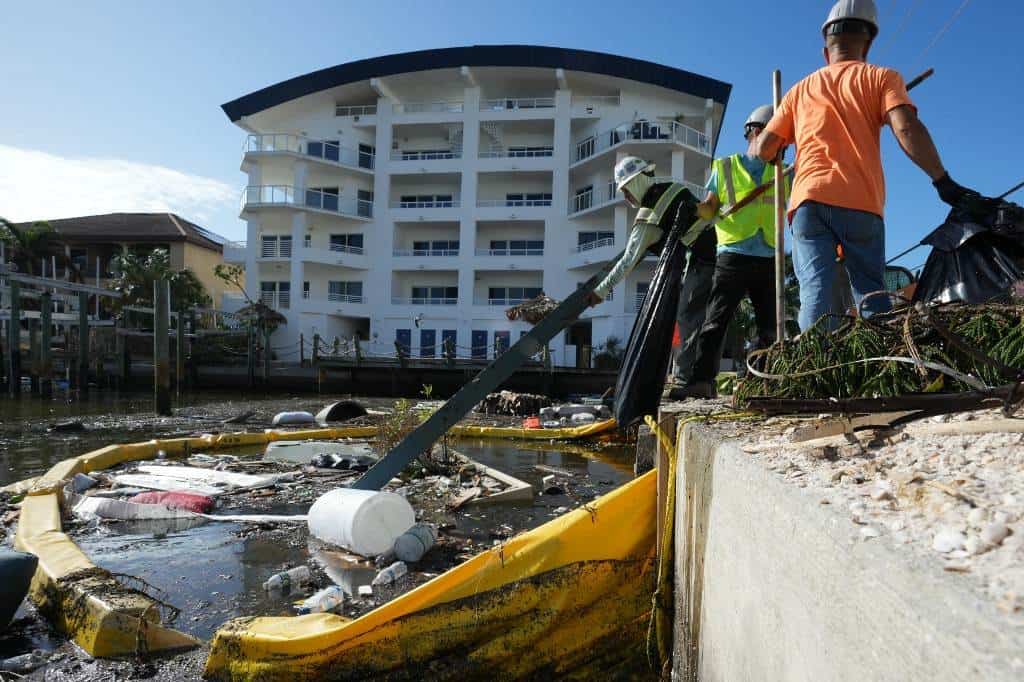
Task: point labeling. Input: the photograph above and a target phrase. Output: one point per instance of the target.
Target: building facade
(411, 199)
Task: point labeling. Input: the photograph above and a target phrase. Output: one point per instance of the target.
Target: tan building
(92, 241)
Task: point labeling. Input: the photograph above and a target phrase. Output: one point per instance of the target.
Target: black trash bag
(974, 258)
(645, 362)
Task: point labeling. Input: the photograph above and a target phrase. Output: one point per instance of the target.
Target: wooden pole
(14, 342)
(45, 336)
(161, 348)
(780, 226)
(83, 342)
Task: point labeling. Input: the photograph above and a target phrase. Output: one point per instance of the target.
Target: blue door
(480, 344)
(403, 337)
(501, 342)
(449, 343)
(428, 339)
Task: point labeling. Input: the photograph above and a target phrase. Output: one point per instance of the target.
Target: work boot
(697, 389)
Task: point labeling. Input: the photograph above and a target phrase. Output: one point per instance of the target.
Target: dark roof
(136, 227)
(479, 55)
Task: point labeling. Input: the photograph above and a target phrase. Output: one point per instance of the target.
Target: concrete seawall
(773, 585)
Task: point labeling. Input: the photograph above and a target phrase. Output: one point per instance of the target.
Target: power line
(942, 31)
(890, 38)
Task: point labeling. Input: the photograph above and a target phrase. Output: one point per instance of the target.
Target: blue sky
(116, 105)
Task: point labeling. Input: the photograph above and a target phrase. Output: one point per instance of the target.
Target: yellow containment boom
(570, 598)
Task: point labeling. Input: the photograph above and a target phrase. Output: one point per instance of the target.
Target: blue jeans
(817, 228)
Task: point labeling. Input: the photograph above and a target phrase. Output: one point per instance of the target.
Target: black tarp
(645, 362)
(974, 258)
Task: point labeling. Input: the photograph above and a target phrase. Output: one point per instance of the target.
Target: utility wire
(942, 31)
(890, 38)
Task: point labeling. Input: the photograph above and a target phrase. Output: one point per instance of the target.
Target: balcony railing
(493, 203)
(276, 248)
(510, 252)
(345, 248)
(323, 201)
(665, 131)
(425, 252)
(355, 110)
(639, 300)
(276, 299)
(590, 246)
(512, 103)
(441, 106)
(516, 153)
(590, 198)
(499, 301)
(596, 100)
(395, 300)
(403, 155)
(344, 298)
(426, 204)
(320, 149)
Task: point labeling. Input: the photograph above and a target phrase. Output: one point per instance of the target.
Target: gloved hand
(962, 198)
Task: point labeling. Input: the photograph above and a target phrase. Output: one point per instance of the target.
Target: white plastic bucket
(366, 522)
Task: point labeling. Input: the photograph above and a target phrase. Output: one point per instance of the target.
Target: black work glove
(961, 198)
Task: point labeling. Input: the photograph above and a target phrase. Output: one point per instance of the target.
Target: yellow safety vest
(734, 183)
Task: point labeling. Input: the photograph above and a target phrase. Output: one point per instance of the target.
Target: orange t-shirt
(835, 116)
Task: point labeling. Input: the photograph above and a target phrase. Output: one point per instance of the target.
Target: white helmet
(858, 10)
(628, 168)
(759, 116)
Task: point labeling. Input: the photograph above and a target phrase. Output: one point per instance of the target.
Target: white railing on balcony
(276, 299)
(323, 201)
(590, 246)
(345, 248)
(643, 131)
(510, 252)
(426, 204)
(344, 298)
(276, 248)
(492, 203)
(640, 300)
(511, 103)
(516, 153)
(441, 106)
(582, 201)
(499, 301)
(425, 252)
(403, 155)
(297, 144)
(355, 110)
(396, 300)
(237, 247)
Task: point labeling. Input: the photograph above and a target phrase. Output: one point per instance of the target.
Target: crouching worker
(745, 263)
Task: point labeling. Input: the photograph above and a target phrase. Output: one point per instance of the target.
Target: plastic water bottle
(325, 601)
(286, 579)
(391, 573)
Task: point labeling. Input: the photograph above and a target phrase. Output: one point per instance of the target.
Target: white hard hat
(759, 116)
(856, 10)
(628, 168)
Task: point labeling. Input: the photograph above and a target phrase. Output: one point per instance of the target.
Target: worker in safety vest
(745, 264)
(834, 117)
(658, 204)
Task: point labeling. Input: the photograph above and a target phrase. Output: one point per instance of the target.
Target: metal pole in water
(83, 341)
(161, 348)
(45, 338)
(14, 342)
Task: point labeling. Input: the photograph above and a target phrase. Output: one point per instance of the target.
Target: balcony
(513, 103)
(344, 110)
(509, 252)
(234, 252)
(412, 155)
(326, 151)
(590, 246)
(337, 254)
(279, 300)
(499, 301)
(644, 132)
(517, 153)
(259, 196)
(593, 105)
(344, 298)
(499, 203)
(274, 247)
(439, 106)
(454, 203)
(396, 300)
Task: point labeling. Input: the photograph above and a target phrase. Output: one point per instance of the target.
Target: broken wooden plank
(839, 425)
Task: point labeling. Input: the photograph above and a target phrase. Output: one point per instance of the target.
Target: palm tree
(28, 247)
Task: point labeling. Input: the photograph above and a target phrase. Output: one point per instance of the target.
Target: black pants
(736, 275)
(695, 291)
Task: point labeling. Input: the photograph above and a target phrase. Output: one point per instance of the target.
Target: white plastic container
(366, 522)
(327, 600)
(415, 542)
(292, 418)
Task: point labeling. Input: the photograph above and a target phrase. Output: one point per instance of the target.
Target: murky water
(215, 571)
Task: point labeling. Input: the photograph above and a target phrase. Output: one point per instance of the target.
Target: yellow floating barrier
(570, 598)
(514, 432)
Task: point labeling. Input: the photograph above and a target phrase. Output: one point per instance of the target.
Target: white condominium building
(413, 198)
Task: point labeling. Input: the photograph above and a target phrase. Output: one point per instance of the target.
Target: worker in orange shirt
(834, 116)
